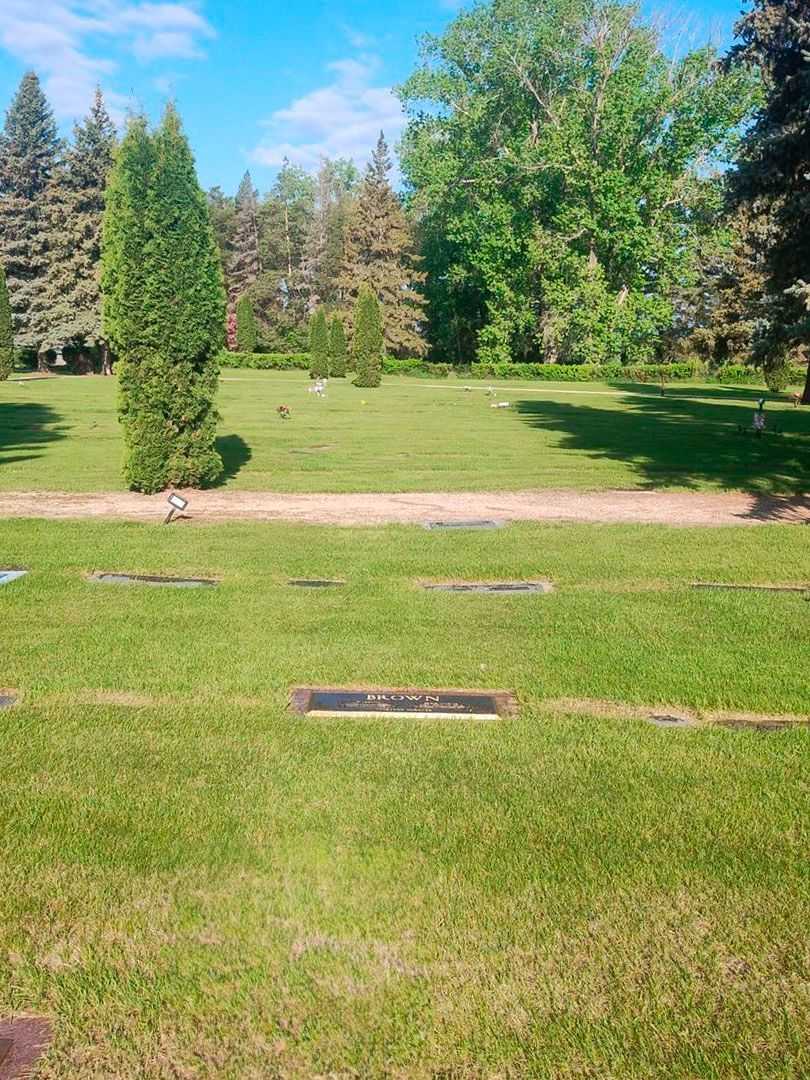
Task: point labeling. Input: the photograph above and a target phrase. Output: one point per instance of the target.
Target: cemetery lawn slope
(194, 882)
(61, 434)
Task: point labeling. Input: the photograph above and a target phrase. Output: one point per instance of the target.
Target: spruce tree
(368, 343)
(245, 263)
(338, 351)
(164, 308)
(773, 178)
(29, 150)
(247, 335)
(318, 345)
(6, 330)
(379, 253)
(74, 212)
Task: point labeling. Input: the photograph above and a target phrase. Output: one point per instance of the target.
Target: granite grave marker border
(403, 703)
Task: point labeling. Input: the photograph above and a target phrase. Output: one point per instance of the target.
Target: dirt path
(662, 507)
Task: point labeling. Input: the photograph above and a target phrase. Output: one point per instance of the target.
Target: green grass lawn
(413, 435)
(194, 883)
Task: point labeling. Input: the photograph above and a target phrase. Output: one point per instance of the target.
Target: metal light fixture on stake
(176, 502)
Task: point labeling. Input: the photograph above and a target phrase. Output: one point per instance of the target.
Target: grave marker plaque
(7, 576)
(472, 523)
(154, 579)
(22, 1042)
(407, 703)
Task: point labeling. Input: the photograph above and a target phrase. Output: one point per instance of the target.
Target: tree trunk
(42, 361)
(106, 360)
(806, 394)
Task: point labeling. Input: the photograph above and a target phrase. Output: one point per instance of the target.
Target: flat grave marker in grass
(153, 579)
(7, 576)
(669, 720)
(407, 703)
(22, 1043)
(471, 523)
(734, 587)
(7, 699)
(315, 583)
(498, 587)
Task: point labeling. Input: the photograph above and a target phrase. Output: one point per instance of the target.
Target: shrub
(164, 308)
(318, 345)
(367, 346)
(338, 350)
(247, 333)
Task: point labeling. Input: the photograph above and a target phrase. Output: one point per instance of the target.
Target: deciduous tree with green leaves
(318, 345)
(367, 340)
(338, 349)
(164, 308)
(553, 157)
(6, 330)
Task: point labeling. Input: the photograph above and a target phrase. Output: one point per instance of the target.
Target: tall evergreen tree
(338, 350)
(247, 337)
(74, 212)
(246, 263)
(164, 308)
(29, 150)
(773, 178)
(324, 249)
(379, 253)
(318, 345)
(279, 297)
(222, 213)
(367, 344)
(6, 330)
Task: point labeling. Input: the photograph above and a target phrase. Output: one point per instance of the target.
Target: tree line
(570, 193)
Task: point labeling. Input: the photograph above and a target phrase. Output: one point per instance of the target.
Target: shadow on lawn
(719, 392)
(670, 442)
(235, 453)
(25, 426)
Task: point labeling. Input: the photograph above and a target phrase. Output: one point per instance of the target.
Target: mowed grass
(414, 435)
(195, 883)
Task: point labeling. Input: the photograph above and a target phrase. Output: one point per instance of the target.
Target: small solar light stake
(176, 502)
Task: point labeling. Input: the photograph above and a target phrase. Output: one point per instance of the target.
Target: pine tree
(379, 253)
(773, 178)
(323, 255)
(29, 150)
(318, 345)
(247, 336)
(368, 343)
(338, 351)
(74, 212)
(246, 263)
(164, 308)
(6, 330)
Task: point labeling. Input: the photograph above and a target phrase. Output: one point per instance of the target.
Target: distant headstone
(413, 704)
(153, 579)
(473, 523)
(7, 699)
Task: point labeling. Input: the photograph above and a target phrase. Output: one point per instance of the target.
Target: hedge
(741, 374)
(265, 361)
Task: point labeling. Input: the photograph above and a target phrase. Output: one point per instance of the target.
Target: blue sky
(254, 81)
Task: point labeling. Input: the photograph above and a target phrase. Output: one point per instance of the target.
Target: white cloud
(341, 119)
(61, 40)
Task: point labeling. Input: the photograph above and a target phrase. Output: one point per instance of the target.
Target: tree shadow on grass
(25, 426)
(718, 392)
(680, 442)
(235, 453)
